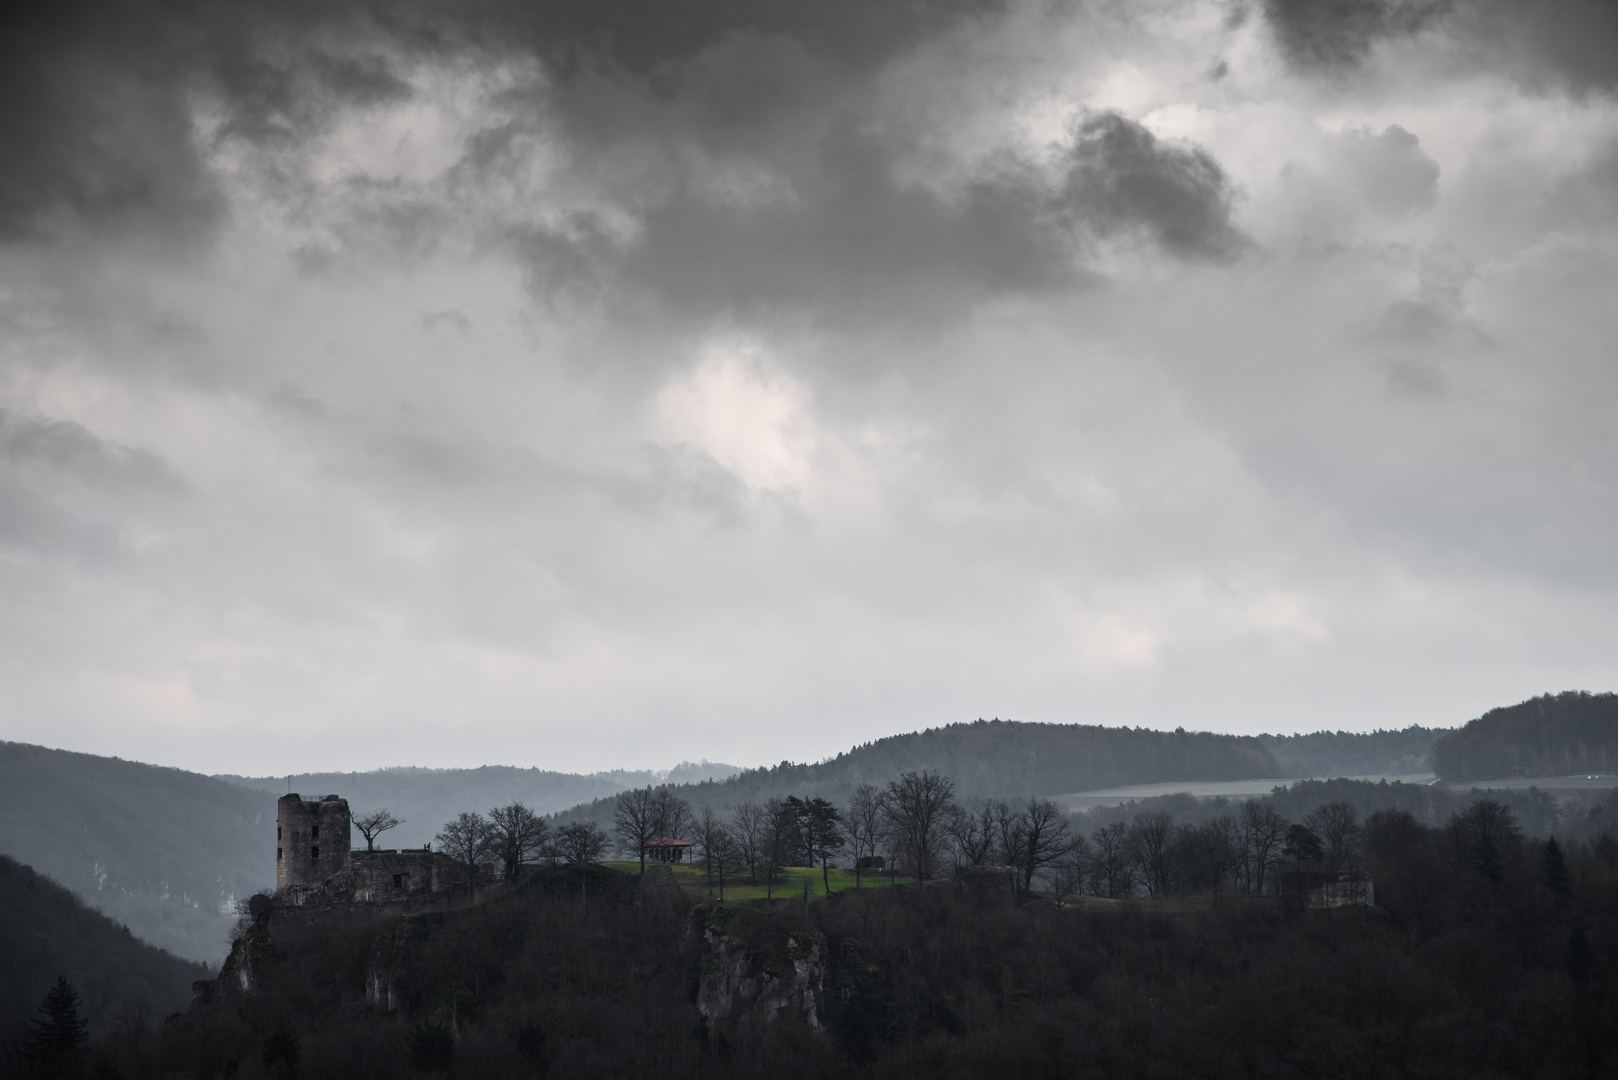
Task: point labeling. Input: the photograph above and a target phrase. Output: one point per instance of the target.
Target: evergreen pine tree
(56, 1043)
(1555, 868)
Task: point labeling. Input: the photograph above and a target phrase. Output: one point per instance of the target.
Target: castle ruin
(314, 863)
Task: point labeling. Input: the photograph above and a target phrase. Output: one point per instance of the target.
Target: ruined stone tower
(311, 839)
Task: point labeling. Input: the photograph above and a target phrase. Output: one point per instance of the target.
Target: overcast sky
(594, 385)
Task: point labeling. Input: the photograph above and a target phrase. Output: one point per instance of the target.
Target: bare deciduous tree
(747, 829)
(779, 839)
(515, 834)
(1263, 830)
(466, 840)
(711, 837)
(724, 858)
(581, 842)
(1338, 827)
(671, 815)
(636, 820)
(862, 823)
(916, 807)
(1150, 838)
(972, 833)
(1046, 837)
(1219, 850)
(1069, 871)
(1113, 864)
(373, 824)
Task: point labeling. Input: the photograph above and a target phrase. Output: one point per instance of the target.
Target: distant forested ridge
(999, 759)
(1354, 753)
(1574, 732)
(46, 931)
(165, 851)
(426, 798)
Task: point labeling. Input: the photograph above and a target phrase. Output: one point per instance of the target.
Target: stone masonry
(311, 839)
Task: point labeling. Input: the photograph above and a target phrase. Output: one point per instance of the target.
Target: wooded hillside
(164, 851)
(1574, 732)
(46, 931)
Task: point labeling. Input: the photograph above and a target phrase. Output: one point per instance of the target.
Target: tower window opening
(398, 881)
(278, 853)
(314, 832)
(314, 853)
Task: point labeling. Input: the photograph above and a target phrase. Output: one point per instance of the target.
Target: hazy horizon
(585, 386)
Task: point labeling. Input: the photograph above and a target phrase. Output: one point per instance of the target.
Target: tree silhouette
(515, 833)
(374, 824)
(581, 842)
(916, 809)
(466, 840)
(56, 1042)
(636, 819)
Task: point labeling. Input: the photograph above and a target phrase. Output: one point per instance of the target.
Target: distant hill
(46, 931)
(426, 798)
(1562, 734)
(165, 851)
(1354, 753)
(999, 759)
(170, 853)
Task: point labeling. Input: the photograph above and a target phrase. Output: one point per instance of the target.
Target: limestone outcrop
(746, 983)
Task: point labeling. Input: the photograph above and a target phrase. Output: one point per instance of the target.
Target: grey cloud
(1123, 178)
(1334, 34)
(95, 121)
(449, 317)
(857, 242)
(65, 449)
(1391, 168)
(1566, 44)
(93, 125)
(65, 491)
(1415, 378)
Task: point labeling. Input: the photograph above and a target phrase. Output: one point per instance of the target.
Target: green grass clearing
(693, 879)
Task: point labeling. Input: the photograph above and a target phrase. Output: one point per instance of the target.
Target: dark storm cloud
(96, 125)
(93, 125)
(1339, 33)
(1570, 44)
(857, 239)
(1122, 178)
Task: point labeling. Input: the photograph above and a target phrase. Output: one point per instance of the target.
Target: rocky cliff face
(753, 983)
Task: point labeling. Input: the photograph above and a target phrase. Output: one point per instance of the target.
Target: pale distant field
(1546, 783)
(1204, 789)
(1248, 789)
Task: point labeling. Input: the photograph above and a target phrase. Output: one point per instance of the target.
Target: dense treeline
(993, 759)
(1354, 753)
(47, 932)
(1009, 759)
(1554, 735)
(1489, 954)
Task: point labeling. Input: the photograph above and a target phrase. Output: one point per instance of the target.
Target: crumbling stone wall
(381, 877)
